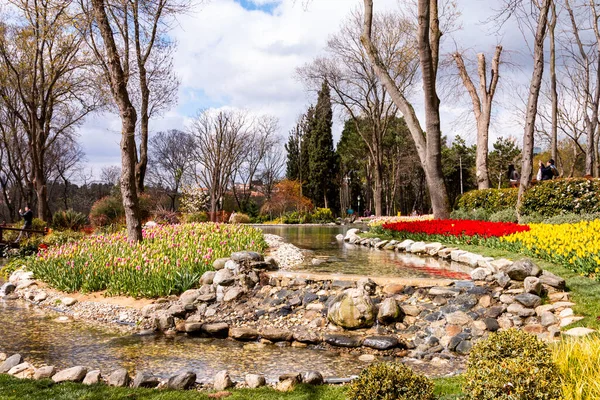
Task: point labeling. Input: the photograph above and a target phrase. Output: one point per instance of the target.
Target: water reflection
(346, 258)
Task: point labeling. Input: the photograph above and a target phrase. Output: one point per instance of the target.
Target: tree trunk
(532, 102)
(128, 115)
(553, 90)
(378, 192)
(429, 149)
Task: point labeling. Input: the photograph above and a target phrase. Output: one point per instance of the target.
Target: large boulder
(352, 309)
(521, 269)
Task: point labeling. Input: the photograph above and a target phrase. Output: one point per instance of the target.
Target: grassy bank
(169, 260)
(17, 389)
(585, 292)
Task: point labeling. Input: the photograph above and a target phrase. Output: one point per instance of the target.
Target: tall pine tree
(305, 150)
(294, 159)
(322, 163)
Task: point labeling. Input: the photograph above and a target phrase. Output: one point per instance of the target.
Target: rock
(10, 362)
(405, 245)
(502, 279)
(464, 347)
(339, 237)
(494, 312)
(286, 386)
(381, 342)
(41, 296)
(232, 266)
(7, 289)
(501, 264)
(410, 310)
(219, 329)
(92, 377)
(521, 269)
(470, 259)
(233, 294)
(343, 340)
(518, 309)
(547, 318)
(177, 311)
(454, 254)
(442, 291)
(529, 300)
(312, 378)
(207, 278)
(192, 327)
(350, 233)
(73, 374)
(380, 245)
(393, 289)
(119, 378)
(367, 285)
(352, 309)
(182, 381)
(366, 358)
(433, 248)
(306, 336)
(244, 334)
(254, 381)
(539, 310)
(479, 274)
(222, 379)
(491, 324)
(458, 318)
(548, 278)
(163, 320)
(22, 371)
(44, 372)
(579, 332)
(389, 312)
(567, 312)
(223, 277)
(68, 301)
(219, 263)
(277, 335)
(533, 285)
(418, 248)
(243, 256)
(145, 380)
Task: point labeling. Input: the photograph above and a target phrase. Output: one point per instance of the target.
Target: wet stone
(182, 381)
(381, 342)
(145, 380)
(343, 340)
(219, 329)
(244, 334)
(312, 378)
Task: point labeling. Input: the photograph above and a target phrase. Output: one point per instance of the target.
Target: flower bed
(577, 246)
(170, 260)
(378, 221)
(459, 229)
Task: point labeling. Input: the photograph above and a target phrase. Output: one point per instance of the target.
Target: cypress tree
(305, 150)
(292, 147)
(322, 181)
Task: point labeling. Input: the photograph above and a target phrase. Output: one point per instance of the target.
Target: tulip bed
(576, 246)
(453, 231)
(169, 260)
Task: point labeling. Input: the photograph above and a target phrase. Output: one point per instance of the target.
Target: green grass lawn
(17, 389)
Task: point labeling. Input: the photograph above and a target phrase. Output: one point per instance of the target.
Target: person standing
(549, 171)
(27, 221)
(513, 176)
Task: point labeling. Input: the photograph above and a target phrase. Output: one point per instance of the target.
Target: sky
(244, 54)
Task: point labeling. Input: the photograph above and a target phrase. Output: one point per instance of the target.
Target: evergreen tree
(322, 178)
(293, 152)
(305, 150)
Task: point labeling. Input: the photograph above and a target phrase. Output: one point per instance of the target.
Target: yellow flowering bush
(378, 221)
(576, 246)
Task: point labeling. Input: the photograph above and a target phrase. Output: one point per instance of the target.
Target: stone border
(17, 367)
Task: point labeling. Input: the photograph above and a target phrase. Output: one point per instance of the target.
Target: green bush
(390, 381)
(59, 238)
(511, 365)
(322, 215)
(163, 216)
(560, 196)
(240, 218)
(68, 220)
(478, 214)
(296, 217)
(571, 218)
(194, 217)
(490, 200)
(109, 210)
(506, 215)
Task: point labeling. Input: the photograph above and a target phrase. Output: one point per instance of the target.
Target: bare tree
(272, 170)
(428, 146)
(44, 80)
(482, 107)
(171, 154)
(220, 141)
(110, 175)
(261, 138)
(354, 83)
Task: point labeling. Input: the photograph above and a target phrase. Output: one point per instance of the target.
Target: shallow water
(346, 258)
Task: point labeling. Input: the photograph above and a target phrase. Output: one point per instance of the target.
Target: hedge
(548, 198)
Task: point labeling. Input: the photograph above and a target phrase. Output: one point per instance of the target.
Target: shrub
(571, 218)
(506, 215)
(477, 214)
(165, 217)
(296, 217)
(68, 220)
(390, 381)
(109, 210)
(489, 199)
(550, 198)
(322, 215)
(533, 218)
(192, 217)
(58, 238)
(240, 218)
(511, 365)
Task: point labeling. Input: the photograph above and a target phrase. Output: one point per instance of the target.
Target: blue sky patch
(268, 7)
